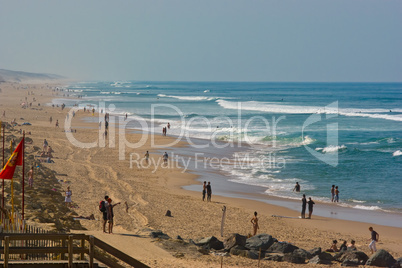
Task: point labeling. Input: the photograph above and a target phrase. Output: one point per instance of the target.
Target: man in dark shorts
(310, 207)
(209, 192)
(304, 204)
(105, 213)
(374, 238)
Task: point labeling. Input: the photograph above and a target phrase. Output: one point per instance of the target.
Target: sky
(208, 40)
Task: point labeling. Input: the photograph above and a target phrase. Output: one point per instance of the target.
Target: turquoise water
(361, 132)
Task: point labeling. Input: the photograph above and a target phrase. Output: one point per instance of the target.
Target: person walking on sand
(30, 177)
(254, 221)
(297, 187)
(204, 190)
(104, 212)
(310, 207)
(165, 157)
(209, 192)
(57, 123)
(332, 193)
(67, 199)
(374, 238)
(146, 156)
(304, 204)
(336, 194)
(110, 215)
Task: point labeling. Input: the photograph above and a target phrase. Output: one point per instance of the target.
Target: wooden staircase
(61, 250)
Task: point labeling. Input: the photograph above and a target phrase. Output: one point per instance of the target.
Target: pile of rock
(265, 247)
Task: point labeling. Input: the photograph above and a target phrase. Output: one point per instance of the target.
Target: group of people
(164, 129)
(107, 210)
(206, 189)
(372, 246)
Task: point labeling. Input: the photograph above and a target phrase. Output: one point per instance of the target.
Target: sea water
(294, 128)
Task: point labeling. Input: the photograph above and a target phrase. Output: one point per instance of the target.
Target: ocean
(276, 134)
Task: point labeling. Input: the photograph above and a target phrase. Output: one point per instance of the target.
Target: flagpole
(2, 188)
(23, 174)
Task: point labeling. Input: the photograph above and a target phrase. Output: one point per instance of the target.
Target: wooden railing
(23, 246)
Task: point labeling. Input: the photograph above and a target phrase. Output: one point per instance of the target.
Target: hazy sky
(189, 40)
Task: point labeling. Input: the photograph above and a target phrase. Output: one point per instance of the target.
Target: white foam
(397, 153)
(272, 107)
(190, 98)
(331, 149)
(367, 207)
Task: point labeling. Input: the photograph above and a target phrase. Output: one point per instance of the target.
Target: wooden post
(82, 247)
(221, 261)
(70, 251)
(63, 244)
(6, 250)
(91, 251)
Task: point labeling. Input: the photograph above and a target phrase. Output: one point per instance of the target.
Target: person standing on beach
(104, 212)
(165, 157)
(332, 193)
(30, 177)
(110, 215)
(297, 187)
(374, 238)
(254, 221)
(204, 190)
(67, 199)
(304, 204)
(209, 192)
(336, 194)
(146, 157)
(310, 207)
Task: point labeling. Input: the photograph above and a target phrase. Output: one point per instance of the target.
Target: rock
(234, 240)
(178, 255)
(274, 256)
(168, 213)
(351, 256)
(283, 247)
(159, 234)
(381, 258)
(237, 250)
(398, 263)
(302, 253)
(203, 251)
(322, 258)
(210, 242)
(315, 251)
(293, 258)
(350, 263)
(179, 237)
(263, 241)
(251, 254)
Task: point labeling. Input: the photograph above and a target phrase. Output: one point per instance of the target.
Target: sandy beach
(92, 173)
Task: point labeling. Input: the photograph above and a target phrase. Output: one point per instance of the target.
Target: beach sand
(93, 172)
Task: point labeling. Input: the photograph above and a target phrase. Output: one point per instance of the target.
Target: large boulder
(283, 247)
(294, 258)
(353, 257)
(322, 258)
(210, 243)
(234, 240)
(381, 258)
(241, 251)
(302, 253)
(315, 251)
(261, 241)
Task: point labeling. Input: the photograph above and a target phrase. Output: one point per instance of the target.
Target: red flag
(15, 160)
